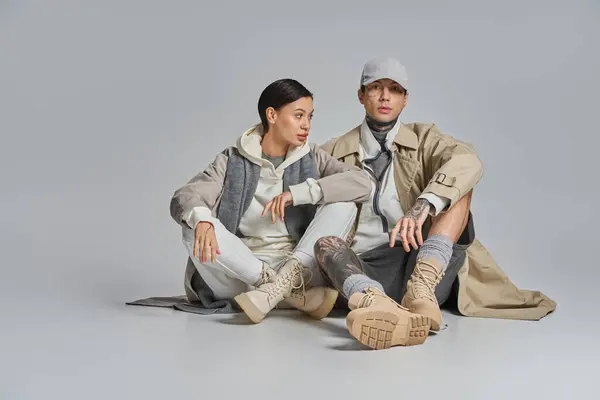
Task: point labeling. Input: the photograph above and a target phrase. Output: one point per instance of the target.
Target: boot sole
(325, 308)
(249, 308)
(380, 329)
(434, 315)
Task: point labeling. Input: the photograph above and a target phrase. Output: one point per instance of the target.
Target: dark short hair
(279, 94)
(363, 88)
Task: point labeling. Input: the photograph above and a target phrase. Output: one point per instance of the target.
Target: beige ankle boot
(379, 322)
(257, 303)
(316, 302)
(266, 275)
(420, 291)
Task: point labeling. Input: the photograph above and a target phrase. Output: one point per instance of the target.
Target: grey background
(107, 107)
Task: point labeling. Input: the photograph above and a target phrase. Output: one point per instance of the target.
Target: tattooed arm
(336, 260)
(410, 225)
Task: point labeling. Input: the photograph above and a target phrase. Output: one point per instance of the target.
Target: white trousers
(237, 269)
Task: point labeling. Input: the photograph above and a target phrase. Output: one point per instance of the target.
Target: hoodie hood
(249, 146)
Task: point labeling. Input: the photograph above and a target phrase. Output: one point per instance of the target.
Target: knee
(466, 199)
(462, 206)
(325, 243)
(467, 206)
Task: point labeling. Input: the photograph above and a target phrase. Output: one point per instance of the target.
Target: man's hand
(205, 243)
(410, 225)
(278, 205)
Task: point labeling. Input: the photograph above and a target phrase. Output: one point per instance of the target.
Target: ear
(405, 99)
(361, 96)
(271, 115)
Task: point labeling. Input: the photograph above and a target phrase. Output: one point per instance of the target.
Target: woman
(250, 220)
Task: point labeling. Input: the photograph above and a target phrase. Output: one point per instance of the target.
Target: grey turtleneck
(380, 130)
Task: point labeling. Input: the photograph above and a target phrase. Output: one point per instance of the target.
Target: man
(393, 279)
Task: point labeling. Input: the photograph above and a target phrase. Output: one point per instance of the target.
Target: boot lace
(423, 284)
(367, 299)
(280, 282)
(371, 296)
(267, 274)
(301, 289)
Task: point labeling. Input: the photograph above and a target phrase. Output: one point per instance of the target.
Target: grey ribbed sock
(439, 247)
(358, 283)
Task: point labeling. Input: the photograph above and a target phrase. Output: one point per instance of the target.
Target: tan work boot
(379, 322)
(316, 302)
(257, 303)
(420, 291)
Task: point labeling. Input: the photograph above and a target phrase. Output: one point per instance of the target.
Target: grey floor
(66, 334)
(106, 109)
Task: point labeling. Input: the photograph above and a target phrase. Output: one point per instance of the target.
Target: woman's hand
(410, 225)
(205, 243)
(278, 205)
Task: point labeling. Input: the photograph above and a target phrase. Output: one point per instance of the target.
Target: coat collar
(350, 142)
(370, 145)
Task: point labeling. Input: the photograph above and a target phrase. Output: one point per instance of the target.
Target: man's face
(384, 99)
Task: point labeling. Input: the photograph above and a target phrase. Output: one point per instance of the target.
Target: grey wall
(106, 108)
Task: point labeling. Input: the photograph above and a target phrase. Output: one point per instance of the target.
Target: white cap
(385, 67)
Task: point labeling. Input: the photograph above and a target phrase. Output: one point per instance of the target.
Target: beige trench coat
(428, 161)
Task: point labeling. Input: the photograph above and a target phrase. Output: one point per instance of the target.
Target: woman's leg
(291, 280)
(236, 268)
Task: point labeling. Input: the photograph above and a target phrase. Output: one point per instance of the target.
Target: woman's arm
(195, 201)
(339, 182)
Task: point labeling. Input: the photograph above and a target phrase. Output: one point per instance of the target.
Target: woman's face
(291, 123)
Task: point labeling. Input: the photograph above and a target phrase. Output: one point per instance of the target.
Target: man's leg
(342, 267)
(235, 269)
(453, 222)
(433, 259)
(376, 320)
(459, 253)
(334, 220)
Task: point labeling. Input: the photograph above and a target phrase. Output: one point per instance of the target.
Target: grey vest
(241, 180)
